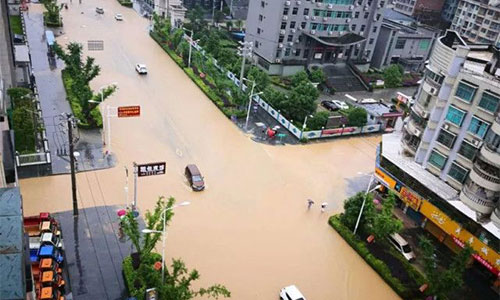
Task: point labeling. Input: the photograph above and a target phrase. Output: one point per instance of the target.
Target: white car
(402, 246)
(291, 292)
(340, 104)
(141, 69)
(119, 17)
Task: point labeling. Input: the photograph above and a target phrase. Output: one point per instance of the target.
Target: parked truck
(46, 251)
(50, 293)
(47, 238)
(34, 230)
(45, 264)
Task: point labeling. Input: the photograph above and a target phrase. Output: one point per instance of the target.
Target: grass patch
(95, 114)
(16, 25)
(125, 3)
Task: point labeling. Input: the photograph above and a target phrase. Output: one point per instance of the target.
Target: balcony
(420, 110)
(495, 217)
(483, 178)
(413, 128)
(476, 202)
(409, 147)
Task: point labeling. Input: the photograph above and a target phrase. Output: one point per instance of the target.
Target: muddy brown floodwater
(250, 229)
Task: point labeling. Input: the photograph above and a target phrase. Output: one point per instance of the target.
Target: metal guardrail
(33, 159)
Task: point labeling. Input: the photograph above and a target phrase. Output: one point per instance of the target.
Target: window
(287, 51)
(297, 52)
(292, 24)
(261, 17)
(467, 150)
(303, 25)
(446, 138)
(285, 11)
(437, 159)
(306, 11)
(281, 38)
(306, 53)
(489, 102)
(258, 30)
(458, 172)
(366, 15)
(455, 116)
(295, 10)
(424, 44)
(256, 44)
(400, 43)
(433, 76)
(478, 127)
(278, 53)
(283, 25)
(353, 27)
(289, 38)
(370, 42)
(374, 29)
(356, 15)
(362, 28)
(262, 4)
(465, 92)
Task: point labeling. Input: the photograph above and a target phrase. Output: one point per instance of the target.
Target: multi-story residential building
(478, 21)
(449, 9)
(423, 10)
(408, 45)
(289, 35)
(176, 10)
(207, 4)
(445, 164)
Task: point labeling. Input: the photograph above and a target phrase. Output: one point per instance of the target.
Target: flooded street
(250, 229)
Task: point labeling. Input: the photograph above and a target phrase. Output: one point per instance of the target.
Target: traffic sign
(151, 169)
(129, 111)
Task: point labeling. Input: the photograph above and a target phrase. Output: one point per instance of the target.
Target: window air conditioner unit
(425, 114)
(476, 143)
(319, 4)
(446, 126)
(433, 91)
(306, 17)
(330, 32)
(325, 19)
(277, 60)
(292, 31)
(285, 18)
(280, 45)
(290, 43)
(348, 20)
(287, 3)
(313, 31)
(299, 2)
(313, 17)
(282, 31)
(330, 6)
(417, 133)
(351, 7)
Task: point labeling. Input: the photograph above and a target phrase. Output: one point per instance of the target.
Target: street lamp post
(163, 232)
(364, 200)
(190, 45)
(108, 115)
(250, 100)
(304, 125)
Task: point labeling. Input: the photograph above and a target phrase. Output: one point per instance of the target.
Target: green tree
(393, 76)
(178, 279)
(23, 119)
(356, 116)
(384, 222)
(299, 78)
(239, 24)
(218, 17)
(300, 102)
(211, 43)
(317, 76)
(227, 58)
(274, 97)
(318, 120)
(195, 17)
(260, 77)
(443, 281)
(81, 74)
(352, 207)
(52, 16)
(176, 37)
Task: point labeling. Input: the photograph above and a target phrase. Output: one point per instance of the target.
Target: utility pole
(72, 164)
(231, 9)
(136, 172)
(244, 51)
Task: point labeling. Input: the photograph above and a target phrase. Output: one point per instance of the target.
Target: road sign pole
(108, 115)
(72, 164)
(136, 171)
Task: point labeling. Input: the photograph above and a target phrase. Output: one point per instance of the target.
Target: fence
(316, 134)
(31, 159)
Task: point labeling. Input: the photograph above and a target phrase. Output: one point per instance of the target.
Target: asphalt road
(250, 229)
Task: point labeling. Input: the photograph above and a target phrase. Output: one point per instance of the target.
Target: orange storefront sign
(410, 198)
(391, 183)
(484, 254)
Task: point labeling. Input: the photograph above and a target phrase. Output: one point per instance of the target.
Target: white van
(99, 10)
(402, 246)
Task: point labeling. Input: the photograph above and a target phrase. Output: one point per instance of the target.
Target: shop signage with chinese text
(151, 169)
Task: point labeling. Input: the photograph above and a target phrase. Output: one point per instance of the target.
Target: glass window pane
(465, 92)
(467, 150)
(478, 127)
(458, 173)
(489, 102)
(455, 116)
(437, 159)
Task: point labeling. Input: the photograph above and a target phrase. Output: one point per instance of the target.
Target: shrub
(76, 107)
(16, 24)
(379, 266)
(125, 3)
(356, 116)
(23, 120)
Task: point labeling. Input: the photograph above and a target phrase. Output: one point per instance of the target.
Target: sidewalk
(54, 104)
(93, 253)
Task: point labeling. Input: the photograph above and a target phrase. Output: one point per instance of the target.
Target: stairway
(341, 78)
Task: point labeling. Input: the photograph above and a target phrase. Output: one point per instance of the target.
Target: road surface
(250, 229)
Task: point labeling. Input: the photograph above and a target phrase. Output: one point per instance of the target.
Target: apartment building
(449, 9)
(478, 21)
(423, 10)
(403, 42)
(289, 35)
(445, 162)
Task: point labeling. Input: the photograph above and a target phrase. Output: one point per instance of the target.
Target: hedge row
(379, 266)
(23, 120)
(49, 23)
(77, 108)
(209, 92)
(125, 3)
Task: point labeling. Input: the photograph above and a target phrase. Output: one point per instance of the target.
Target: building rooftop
(391, 150)
(21, 53)
(398, 17)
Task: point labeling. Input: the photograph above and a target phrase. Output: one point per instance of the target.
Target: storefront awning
(347, 39)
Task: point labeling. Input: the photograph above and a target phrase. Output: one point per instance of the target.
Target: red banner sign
(129, 111)
(477, 257)
(338, 130)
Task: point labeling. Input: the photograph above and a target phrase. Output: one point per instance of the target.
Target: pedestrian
(309, 204)
(323, 206)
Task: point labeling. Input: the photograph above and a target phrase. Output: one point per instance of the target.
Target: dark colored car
(194, 177)
(329, 105)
